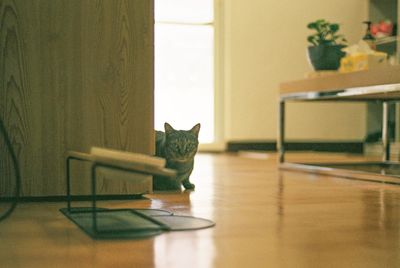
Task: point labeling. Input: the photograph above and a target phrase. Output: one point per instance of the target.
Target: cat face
(181, 145)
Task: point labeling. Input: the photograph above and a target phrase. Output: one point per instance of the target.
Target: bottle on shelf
(368, 37)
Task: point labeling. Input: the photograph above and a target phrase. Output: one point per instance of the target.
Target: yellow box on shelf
(362, 61)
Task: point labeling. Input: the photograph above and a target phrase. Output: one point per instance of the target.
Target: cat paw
(188, 186)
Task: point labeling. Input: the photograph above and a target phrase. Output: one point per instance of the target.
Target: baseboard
(376, 149)
(320, 146)
(235, 146)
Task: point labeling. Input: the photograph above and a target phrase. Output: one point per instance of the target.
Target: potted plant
(325, 51)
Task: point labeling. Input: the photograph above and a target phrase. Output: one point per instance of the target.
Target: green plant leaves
(312, 25)
(334, 27)
(312, 39)
(325, 33)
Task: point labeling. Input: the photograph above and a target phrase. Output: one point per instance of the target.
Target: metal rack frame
(14, 159)
(97, 163)
(387, 94)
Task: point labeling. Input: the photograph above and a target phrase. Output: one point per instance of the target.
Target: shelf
(381, 84)
(387, 172)
(388, 75)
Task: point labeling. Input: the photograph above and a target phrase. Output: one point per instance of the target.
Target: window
(184, 65)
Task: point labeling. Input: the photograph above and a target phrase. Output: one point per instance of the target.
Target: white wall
(265, 44)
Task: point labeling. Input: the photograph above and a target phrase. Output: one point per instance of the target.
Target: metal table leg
(281, 134)
(385, 131)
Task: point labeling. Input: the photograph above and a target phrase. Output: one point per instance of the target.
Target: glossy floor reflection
(265, 218)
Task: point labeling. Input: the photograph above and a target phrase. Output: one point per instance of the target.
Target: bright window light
(184, 66)
(184, 11)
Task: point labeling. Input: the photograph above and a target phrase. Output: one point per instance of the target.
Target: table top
(377, 84)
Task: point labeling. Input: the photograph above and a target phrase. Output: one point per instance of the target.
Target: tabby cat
(178, 147)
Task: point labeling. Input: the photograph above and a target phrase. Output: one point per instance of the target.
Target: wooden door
(75, 74)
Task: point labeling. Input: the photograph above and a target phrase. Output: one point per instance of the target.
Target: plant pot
(325, 57)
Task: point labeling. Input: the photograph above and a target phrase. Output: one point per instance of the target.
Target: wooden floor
(264, 218)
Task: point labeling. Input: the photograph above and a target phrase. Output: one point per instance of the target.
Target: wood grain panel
(117, 67)
(75, 74)
(14, 92)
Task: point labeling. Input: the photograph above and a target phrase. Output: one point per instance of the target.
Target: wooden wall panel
(14, 91)
(75, 74)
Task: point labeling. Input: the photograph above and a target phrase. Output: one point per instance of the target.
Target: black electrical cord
(15, 197)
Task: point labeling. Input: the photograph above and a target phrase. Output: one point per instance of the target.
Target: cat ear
(168, 129)
(196, 129)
